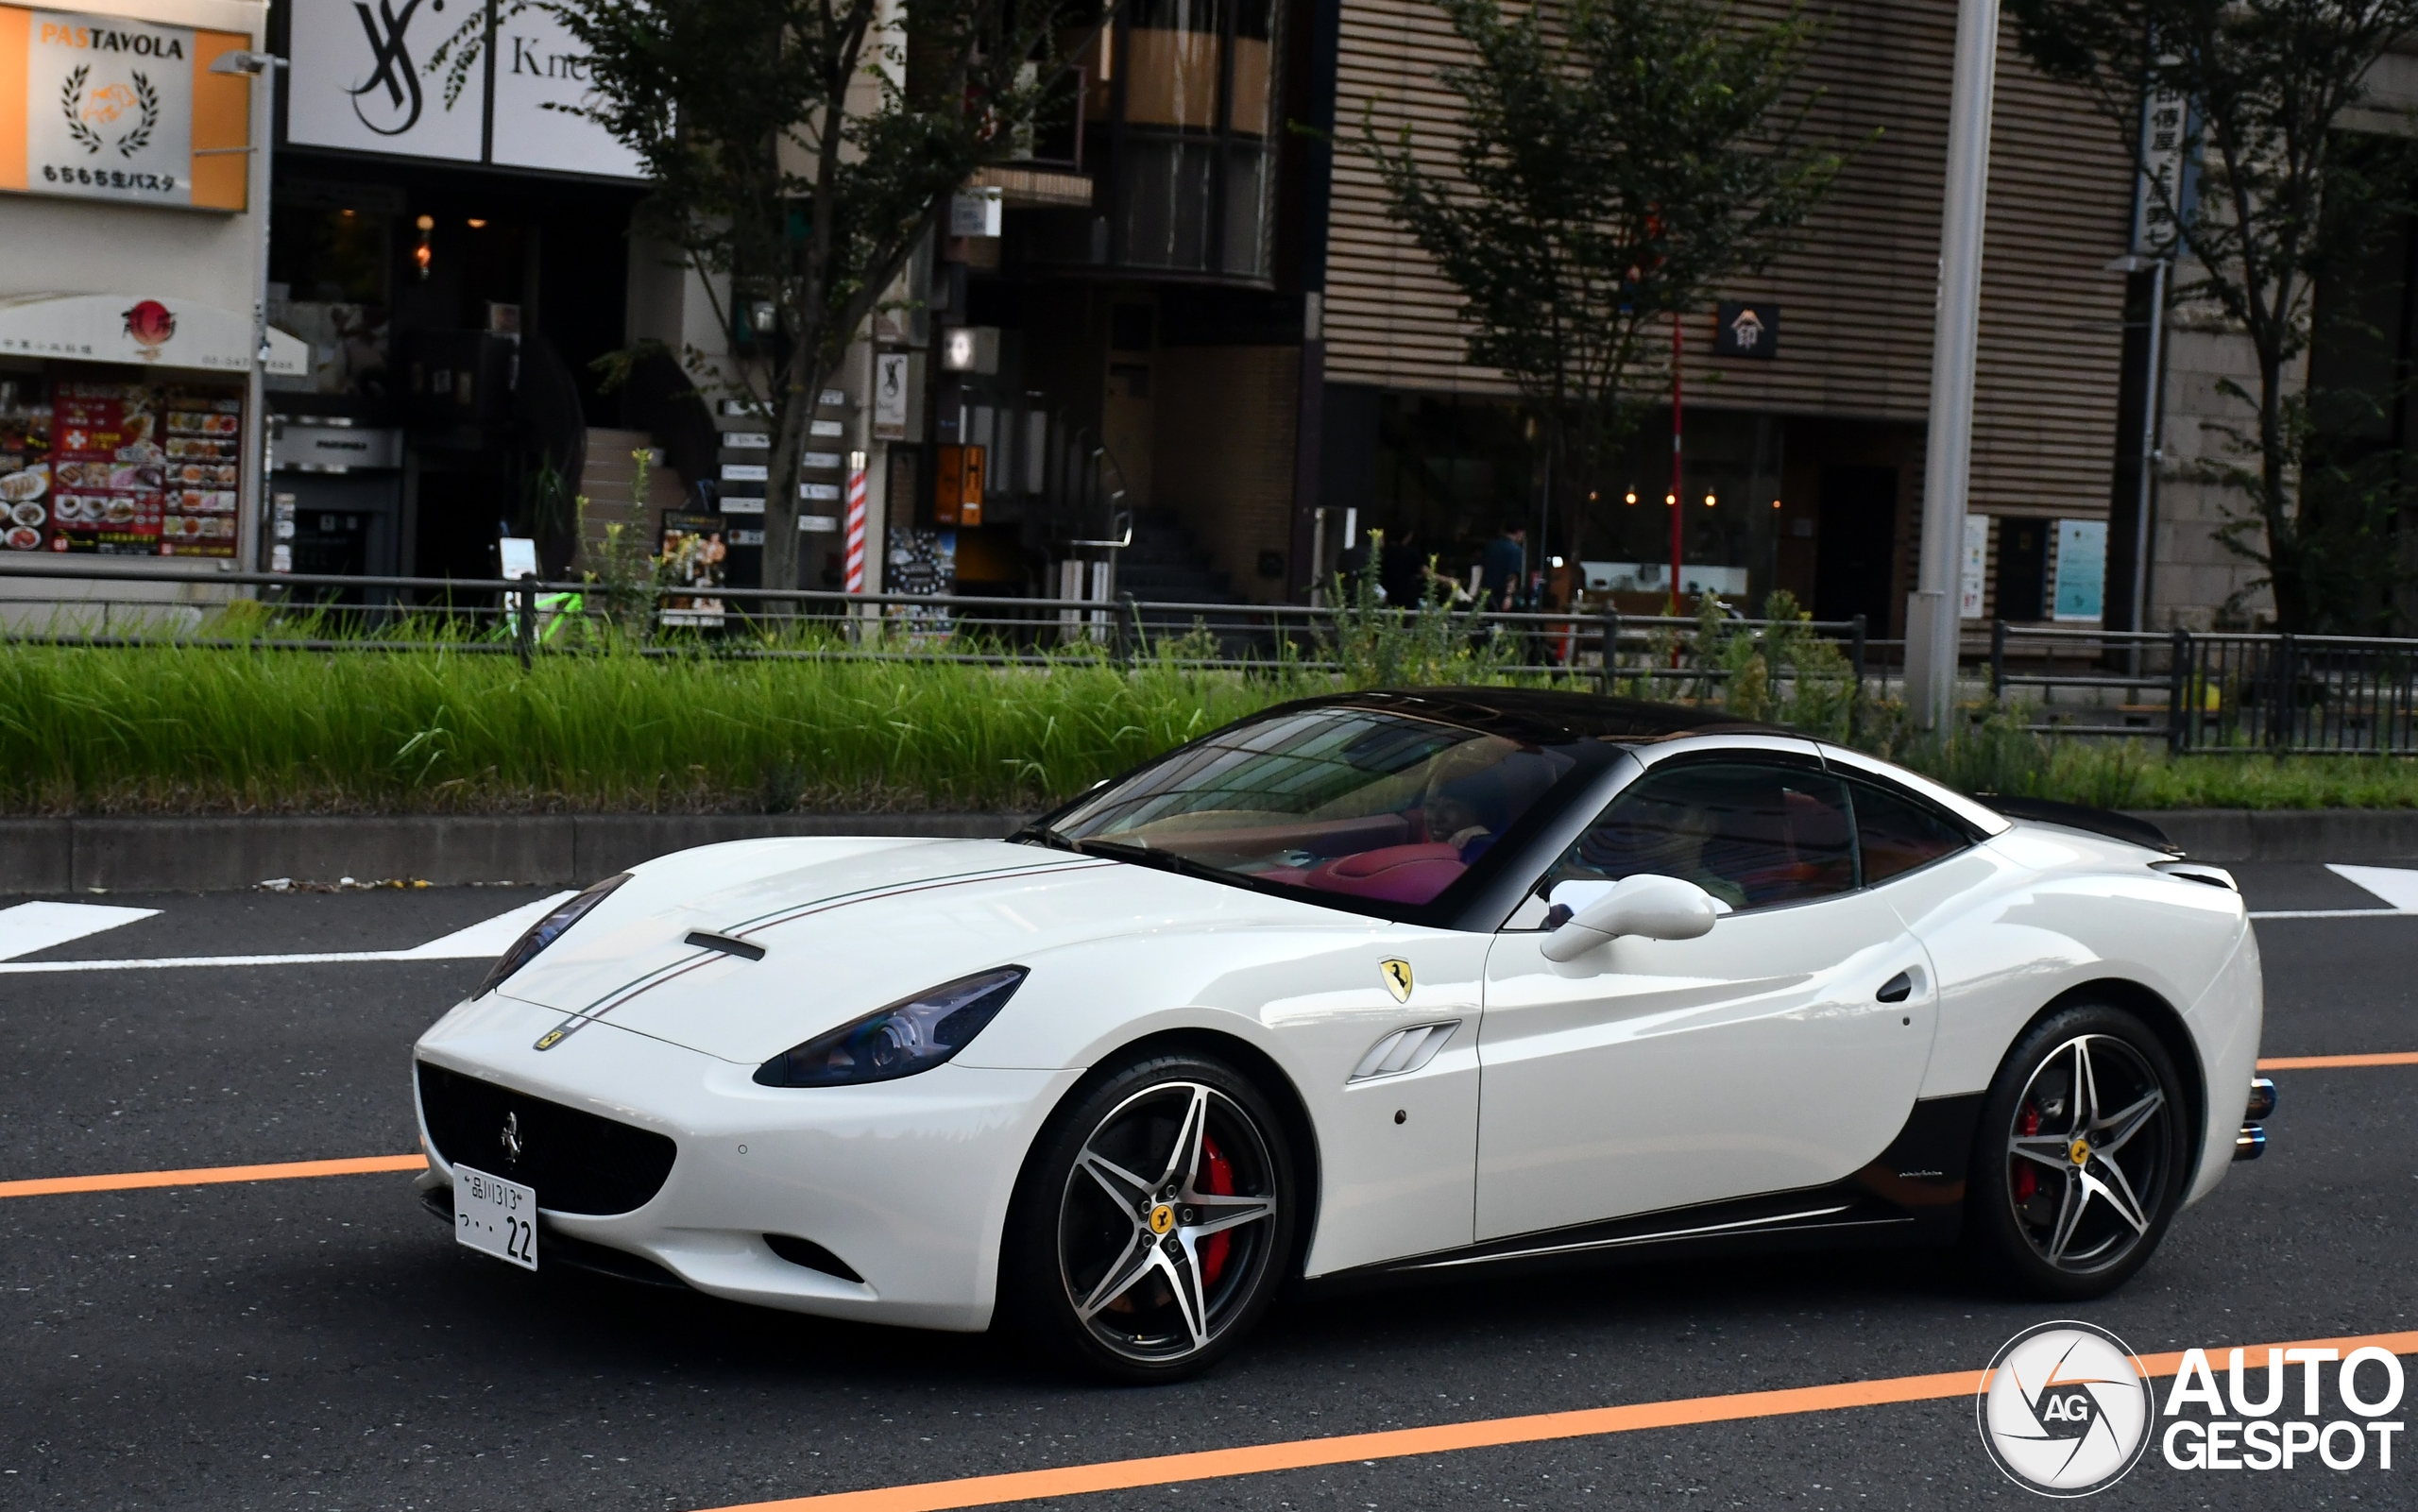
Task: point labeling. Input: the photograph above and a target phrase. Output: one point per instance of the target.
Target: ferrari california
(1364, 987)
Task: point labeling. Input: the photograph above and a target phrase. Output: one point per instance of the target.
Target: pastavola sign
(110, 108)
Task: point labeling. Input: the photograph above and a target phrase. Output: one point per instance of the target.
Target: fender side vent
(1404, 1050)
(811, 1255)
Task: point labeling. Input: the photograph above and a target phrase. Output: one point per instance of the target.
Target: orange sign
(956, 487)
(112, 109)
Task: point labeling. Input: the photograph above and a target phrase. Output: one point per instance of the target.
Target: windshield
(1356, 801)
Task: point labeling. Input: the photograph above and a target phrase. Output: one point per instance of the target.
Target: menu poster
(25, 472)
(106, 469)
(693, 558)
(123, 469)
(204, 446)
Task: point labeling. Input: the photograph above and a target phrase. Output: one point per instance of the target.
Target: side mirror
(1650, 907)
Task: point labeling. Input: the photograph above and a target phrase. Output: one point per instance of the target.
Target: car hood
(846, 928)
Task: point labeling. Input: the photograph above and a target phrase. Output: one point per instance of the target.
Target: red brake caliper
(2026, 1180)
(1217, 1178)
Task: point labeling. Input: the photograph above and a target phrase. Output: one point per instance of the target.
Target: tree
(1620, 159)
(800, 151)
(2285, 199)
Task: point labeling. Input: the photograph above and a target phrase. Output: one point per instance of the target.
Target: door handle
(1896, 989)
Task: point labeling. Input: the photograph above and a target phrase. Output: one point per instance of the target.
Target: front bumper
(906, 1182)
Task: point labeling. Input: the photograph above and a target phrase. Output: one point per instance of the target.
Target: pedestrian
(1501, 568)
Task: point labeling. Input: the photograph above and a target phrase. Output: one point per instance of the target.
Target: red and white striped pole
(855, 569)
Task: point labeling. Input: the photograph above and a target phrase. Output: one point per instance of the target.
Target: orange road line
(211, 1175)
(1214, 1464)
(2321, 1062)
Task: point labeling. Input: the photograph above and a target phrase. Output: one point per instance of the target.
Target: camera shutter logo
(2065, 1411)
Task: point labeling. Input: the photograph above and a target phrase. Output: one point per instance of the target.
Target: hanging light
(1670, 499)
(1708, 500)
(1775, 503)
(425, 254)
(1632, 496)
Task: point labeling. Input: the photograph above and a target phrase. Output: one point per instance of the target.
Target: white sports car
(1366, 985)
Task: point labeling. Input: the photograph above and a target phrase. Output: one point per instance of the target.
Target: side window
(1749, 834)
(1898, 834)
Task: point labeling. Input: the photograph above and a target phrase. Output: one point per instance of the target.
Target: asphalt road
(323, 1344)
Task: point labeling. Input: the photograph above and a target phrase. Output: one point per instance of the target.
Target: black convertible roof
(1546, 716)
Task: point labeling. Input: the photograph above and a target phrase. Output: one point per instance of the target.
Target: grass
(165, 728)
(169, 729)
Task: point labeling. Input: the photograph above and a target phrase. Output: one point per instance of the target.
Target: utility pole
(1679, 493)
(260, 67)
(1932, 618)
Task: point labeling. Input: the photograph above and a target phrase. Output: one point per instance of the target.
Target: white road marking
(478, 941)
(492, 938)
(31, 926)
(2396, 885)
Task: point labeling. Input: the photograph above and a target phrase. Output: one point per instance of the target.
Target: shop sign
(140, 330)
(1745, 329)
(693, 561)
(2082, 569)
(382, 78)
(112, 109)
(890, 388)
(1976, 566)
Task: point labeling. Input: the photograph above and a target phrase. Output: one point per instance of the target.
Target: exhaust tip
(2249, 1144)
(2263, 1098)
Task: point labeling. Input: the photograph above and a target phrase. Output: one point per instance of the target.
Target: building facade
(132, 199)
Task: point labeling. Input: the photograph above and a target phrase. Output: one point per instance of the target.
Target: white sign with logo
(541, 77)
(891, 377)
(370, 75)
(1976, 566)
(108, 108)
(363, 78)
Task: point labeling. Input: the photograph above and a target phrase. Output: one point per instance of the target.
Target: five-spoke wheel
(2081, 1157)
(1156, 1220)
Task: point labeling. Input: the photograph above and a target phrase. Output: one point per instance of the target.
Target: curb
(2289, 834)
(221, 854)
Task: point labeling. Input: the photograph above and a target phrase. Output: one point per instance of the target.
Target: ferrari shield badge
(1397, 974)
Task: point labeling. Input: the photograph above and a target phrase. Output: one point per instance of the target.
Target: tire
(1154, 1221)
(2069, 1195)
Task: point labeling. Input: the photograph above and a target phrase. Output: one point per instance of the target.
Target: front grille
(577, 1161)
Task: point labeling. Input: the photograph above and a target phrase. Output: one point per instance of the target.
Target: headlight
(545, 932)
(900, 1040)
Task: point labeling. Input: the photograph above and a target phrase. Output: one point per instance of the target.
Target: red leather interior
(1397, 873)
(1318, 837)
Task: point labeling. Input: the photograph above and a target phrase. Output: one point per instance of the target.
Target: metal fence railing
(100, 603)
(2300, 694)
(2199, 692)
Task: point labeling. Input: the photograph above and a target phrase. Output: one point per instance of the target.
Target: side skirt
(1911, 1193)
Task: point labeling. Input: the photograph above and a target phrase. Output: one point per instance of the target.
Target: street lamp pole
(263, 67)
(1933, 609)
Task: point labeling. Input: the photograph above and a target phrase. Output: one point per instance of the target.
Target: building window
(1194, 95)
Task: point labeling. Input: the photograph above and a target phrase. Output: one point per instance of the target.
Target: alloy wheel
(1167, 1221)
(2087, 1163)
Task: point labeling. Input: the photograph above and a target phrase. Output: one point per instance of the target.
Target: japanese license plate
(496, 1216)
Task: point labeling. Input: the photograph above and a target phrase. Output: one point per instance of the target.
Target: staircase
(1163, 564)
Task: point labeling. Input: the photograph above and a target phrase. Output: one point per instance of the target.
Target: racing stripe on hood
(631, 990)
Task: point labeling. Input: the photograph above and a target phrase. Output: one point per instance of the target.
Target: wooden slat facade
(1856, 298)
